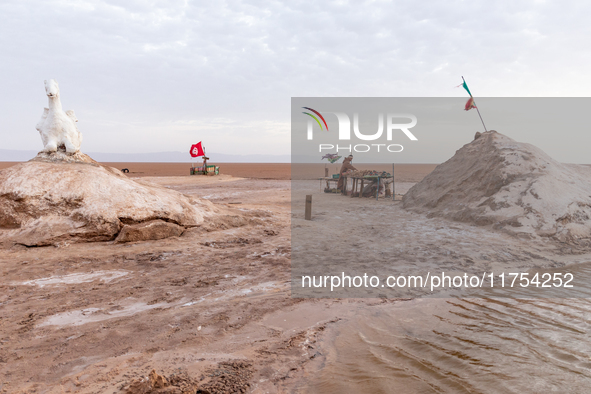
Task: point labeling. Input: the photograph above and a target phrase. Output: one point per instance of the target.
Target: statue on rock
(56, 127)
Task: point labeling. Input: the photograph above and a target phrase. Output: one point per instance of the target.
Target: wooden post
(326, 171)
(393, 187)
(204, 162)
(309, 207)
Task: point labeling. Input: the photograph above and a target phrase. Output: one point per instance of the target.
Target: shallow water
(470, 345)
(105, 276)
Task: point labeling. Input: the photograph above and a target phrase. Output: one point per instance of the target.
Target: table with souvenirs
(330, 183)
(368, 183)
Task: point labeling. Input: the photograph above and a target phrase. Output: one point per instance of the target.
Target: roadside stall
(368, 183)
(330, 183)
(198, 150)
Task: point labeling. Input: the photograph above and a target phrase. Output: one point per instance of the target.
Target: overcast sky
(157, 76)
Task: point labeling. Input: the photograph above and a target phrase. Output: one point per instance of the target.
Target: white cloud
(139, 68)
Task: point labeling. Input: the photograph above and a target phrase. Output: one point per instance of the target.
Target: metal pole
(393, 187)
(474, 101)
(378, 191)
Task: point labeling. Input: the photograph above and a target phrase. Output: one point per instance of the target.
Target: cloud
(136, 70)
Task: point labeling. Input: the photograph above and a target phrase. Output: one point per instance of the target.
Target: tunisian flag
(196, 150)
(469, 104)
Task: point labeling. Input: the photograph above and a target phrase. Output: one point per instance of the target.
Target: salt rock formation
(508, 185)
(62, 197)
(57, 127)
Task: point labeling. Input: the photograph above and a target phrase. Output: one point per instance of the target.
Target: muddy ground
(210, 310)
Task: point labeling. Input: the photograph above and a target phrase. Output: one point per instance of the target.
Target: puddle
(257, 290)
(105, 276)
(91, 315)
(305, 316)
(261, 288)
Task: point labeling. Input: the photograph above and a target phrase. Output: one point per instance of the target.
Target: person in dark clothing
(346, 167)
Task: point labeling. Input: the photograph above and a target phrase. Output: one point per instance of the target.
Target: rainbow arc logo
(315, 118)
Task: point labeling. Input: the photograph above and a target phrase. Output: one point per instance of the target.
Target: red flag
(469, 104)
(197, 150)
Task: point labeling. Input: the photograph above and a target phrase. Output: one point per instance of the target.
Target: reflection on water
(470, 345)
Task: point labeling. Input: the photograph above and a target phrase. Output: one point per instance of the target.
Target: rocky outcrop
(155, 229)
(511, 186)
(59, 197)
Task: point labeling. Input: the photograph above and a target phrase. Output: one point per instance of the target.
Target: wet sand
(470, 345)
(91, 318)
(95, 317)
(216, 302)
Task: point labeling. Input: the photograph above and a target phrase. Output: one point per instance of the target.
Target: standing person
(346, 167)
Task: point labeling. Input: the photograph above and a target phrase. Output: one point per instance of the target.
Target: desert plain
(211, 311)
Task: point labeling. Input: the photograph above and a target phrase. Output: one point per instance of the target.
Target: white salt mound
(59, 197)
(512, 186)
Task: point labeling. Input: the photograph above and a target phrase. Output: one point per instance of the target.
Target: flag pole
(476, 106)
